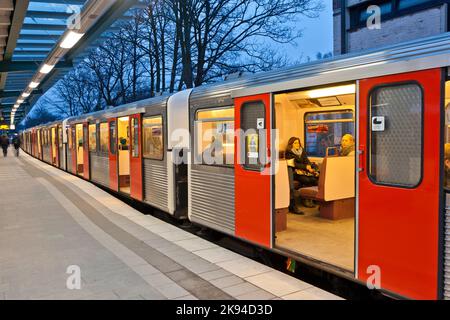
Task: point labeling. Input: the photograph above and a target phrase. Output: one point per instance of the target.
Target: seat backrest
(282, 190)
(337, 178)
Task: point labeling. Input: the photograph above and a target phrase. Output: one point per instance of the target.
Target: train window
(152, 131)
(60, 137)
(214, 132)
(103, 137)
(112, 137)
(93, 137)
(135, 137)
(325, 129)
(395, 155)
(253, 142)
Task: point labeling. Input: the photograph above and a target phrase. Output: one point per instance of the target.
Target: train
(215, 155)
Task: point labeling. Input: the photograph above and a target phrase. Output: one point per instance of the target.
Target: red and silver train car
(381, 216)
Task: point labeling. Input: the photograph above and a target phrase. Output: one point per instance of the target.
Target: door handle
(362, 158)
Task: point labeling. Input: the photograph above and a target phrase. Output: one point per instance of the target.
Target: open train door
(252, 169)
(112, 147)
(399, 190)
(136, 158)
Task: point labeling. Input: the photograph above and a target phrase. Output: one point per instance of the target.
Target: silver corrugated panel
(212, 200)
(155, 184)
(46, 153)
(447, 251)
(61, 160)
(69, 161)
(100, 169)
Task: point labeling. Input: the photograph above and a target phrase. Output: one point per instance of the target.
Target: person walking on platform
(4, 142)
(16, 143)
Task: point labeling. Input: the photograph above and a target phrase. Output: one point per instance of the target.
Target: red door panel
(252, 187)
(399, 226)
(112, 147)
(136, 157)
(86, 150)
(74, 149)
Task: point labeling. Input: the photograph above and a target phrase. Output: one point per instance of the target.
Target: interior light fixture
(70, 39)
(33, 85)
(46, 68)
(332, 91)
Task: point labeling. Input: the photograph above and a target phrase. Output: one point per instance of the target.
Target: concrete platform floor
(52, 223)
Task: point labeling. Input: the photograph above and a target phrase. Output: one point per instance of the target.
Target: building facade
(356, 28)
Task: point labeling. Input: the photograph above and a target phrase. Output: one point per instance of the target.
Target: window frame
(328, 111)
(110, 136)
(99, 129)
(369, 132)
(202, 163)
(355, 11)
(144, 117)
(134, 133)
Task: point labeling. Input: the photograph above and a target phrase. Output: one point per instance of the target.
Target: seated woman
(303, 170)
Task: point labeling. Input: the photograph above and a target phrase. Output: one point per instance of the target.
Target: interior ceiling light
(71, 39)
(33, 85)
(46, 68)
(332, 91)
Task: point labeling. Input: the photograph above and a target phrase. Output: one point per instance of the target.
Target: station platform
(51, 220)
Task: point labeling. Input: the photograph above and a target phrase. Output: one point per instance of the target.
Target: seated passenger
(447, 165)
(347, 145)
(304, 171)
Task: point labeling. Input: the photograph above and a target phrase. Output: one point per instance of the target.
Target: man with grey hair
(347, 145)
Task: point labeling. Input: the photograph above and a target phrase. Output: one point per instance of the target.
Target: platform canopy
(41, 40)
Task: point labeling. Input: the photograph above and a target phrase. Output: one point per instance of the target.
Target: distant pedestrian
(16, 143)
(4, 142)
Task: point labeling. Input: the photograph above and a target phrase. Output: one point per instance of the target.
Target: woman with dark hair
(304, 171)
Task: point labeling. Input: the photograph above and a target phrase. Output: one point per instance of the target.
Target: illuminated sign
(4, 127)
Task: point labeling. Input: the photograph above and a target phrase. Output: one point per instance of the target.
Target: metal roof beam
(13, 93)
(75, 2)
(21, 66)
(32, 45)
(41, 37)
(48, 14)
(41, 26)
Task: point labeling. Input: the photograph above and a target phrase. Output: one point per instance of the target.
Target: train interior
(324, 195)
(124, 154)
(80, 150)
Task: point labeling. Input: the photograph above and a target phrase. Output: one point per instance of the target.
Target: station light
(332, 91)
(25, 94)
(33, 84)
(71, 39)
(46, 68)
(20, 101)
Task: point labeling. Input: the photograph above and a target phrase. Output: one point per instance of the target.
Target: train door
(86, 150)
(60, 161)
(399, 153)
(39, 146)
(79, 149)
(54, 146)
(136, 158)
(123, 134)
(112, 153)
(252, 169)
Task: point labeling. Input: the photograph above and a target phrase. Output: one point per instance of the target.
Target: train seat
(336, 188)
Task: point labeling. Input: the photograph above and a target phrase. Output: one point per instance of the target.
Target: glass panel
(325, 129)
(92, 137)
(104, 137)
(396, 135)
(60, 135)
(215, 114)
(252, 113)
(112, 137)
(135, 135)
(403, 4)
(152, 130)
(214, 132)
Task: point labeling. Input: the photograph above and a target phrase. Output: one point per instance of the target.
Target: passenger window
(325, 129)
(253, 124)
(60, 137)
(214, 137)
(135, 136)
(103, 137)
(92, 137)
(152, 132)
(112, 137)
(395, 155)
